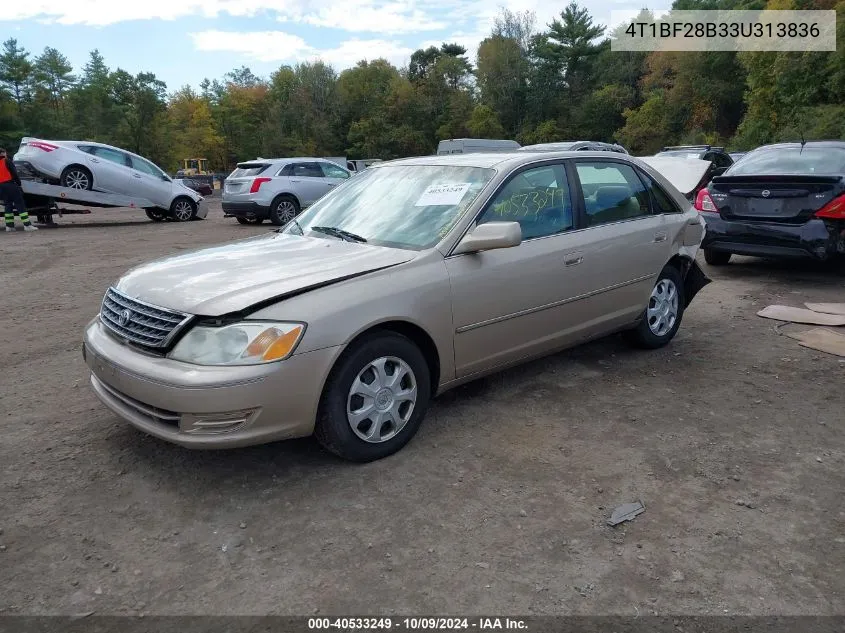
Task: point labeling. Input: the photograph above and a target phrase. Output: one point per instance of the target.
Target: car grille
(140, 322)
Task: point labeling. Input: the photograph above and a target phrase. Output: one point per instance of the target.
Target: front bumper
(207, 407)
(814, 239)
(202, 209)
(245, 210)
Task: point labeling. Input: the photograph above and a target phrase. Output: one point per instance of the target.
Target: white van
(475, 146)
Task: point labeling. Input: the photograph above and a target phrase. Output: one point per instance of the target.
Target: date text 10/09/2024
(417, 624)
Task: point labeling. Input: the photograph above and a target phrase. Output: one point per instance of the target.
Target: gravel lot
(732, 436)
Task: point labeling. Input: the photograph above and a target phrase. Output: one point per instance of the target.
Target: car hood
(235, 276)
(683, 173)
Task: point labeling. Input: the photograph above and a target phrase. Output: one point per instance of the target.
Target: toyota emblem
(766, 193)
(124, 318)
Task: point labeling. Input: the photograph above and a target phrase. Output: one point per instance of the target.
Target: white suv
(278, 189)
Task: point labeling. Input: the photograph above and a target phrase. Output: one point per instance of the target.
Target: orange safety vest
(5, 174)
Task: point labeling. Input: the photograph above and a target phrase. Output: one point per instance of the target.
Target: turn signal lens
(703, 202)
(273, 343)
(833, 210)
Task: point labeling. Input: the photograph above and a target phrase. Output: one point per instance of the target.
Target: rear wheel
(375, 398)
(249, 220)
(284, 209)
(663, 314)
(156, 215)
(716, 258)
(183, 209)
(77, 177)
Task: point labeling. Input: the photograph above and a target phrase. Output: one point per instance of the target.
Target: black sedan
(783, 200)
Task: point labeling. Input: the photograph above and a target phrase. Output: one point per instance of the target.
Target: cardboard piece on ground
(821, 339)
(827, 308)
(800, 315)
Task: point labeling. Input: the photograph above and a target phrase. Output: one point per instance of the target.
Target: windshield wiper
(336, 232)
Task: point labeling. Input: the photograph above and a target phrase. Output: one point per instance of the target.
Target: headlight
(246, 343)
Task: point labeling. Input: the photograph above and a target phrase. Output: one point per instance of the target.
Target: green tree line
(553, 82)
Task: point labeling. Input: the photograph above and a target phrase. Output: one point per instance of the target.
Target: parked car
(575, 146)
(85, 165)
(783, 200)
(719, 160)
(202, 188)
(475, 146)
(411, 278)
(278, 189)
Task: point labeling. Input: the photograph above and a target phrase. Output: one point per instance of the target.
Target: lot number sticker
(443, 195)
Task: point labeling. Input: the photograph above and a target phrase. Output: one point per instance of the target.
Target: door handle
(136, 175)
(573, 259)
(660, 237)
(295, 180)
(93, 160)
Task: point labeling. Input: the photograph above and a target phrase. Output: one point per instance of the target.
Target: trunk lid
(791, 199)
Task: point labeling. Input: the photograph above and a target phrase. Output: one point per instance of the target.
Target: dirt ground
(733, 437)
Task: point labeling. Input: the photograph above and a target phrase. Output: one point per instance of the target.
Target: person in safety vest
(11, 194)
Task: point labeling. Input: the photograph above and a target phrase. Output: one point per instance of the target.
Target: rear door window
(112, 155)
(306, 170)
(612, 192)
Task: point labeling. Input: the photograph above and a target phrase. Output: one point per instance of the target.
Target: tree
(570, 47)
(484, 123)
(53, 76)
(518, 27)
(15, 71)
(502, 77)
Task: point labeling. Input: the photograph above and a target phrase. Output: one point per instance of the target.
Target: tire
(334, 428)
(183, 209)
(283, 209)
(156, 215)
(656, 329)
(249, 220)
(716, 258)
(77, 177)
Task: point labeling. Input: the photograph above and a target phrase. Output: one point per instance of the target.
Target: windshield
(791, 160)
(402, 206)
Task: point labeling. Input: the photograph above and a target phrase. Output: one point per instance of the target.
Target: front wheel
(242, 220)
(663, 314)
(716, 258)
(183, 209)
(375, 398)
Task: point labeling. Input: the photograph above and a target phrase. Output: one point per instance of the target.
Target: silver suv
(277, 189)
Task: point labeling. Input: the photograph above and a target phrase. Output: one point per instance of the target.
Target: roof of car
(505, 160)
(291, 159)
(825, 143)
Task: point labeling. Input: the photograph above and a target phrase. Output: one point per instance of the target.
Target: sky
(185, 41)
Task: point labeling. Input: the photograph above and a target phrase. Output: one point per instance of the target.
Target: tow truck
(42, 201)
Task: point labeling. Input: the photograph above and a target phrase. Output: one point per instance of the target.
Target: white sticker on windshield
(443, 195)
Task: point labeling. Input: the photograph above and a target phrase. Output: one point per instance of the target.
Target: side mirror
(490, 236)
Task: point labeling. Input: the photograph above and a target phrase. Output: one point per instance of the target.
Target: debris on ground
(801, 315)
(625, 512)
(827, 308)
(822, 340)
